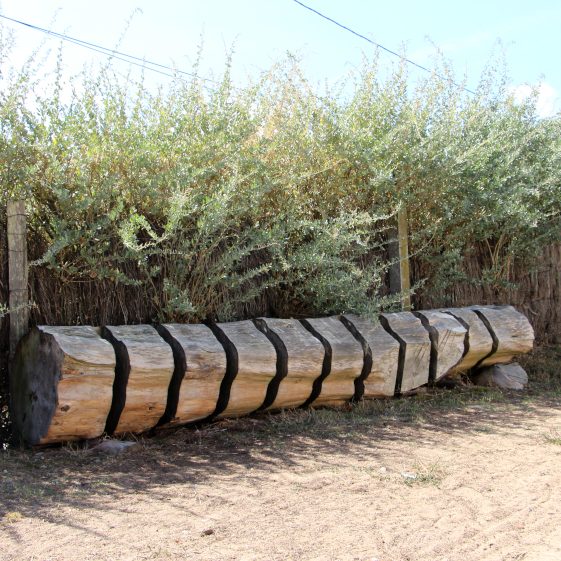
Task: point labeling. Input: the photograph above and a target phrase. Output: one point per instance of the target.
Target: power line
(113, 55)
(420, 66)
(161, 68)
(124, 57)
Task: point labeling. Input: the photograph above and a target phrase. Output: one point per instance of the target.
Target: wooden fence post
(398, 251)
(394, 273)
(404, 272)
(17, 272)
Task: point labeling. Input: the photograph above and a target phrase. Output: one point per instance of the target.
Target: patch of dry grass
(424, 474)
(553, 437)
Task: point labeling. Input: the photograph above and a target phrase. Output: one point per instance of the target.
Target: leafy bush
(187, 204)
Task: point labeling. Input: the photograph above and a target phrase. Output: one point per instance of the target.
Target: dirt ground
(450, 475)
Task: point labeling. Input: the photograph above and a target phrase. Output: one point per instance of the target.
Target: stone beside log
(414, 352)
(299, 362)
(506, 376)
(61, 384)
(343, 362)
(143, 374)
(200, 367)
(383, 350)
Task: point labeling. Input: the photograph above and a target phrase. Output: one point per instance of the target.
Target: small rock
(207, 532)
(507, 376)
(406, 475)
(113, 447)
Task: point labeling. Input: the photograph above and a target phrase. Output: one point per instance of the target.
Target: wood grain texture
(416, 359)
(151, 368)
(346, 361)
(480, 342)
(304, 362)
(448, 342)
(384, 350)
(62, 384)
(205, 366)
(257, 366)
(512, 330)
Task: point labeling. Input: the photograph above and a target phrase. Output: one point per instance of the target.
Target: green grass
(410, 409)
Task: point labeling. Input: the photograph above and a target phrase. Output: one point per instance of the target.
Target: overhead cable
(409, 61)
(124, 57)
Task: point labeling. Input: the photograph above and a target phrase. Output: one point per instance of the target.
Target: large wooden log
(299, 362)
(414, 351)
(62, 384)
(143, 374)
(343, 362)
(252, 366)
(200, 367)
(511, 331)
(448, 342)
(479, 341)
(381, 354)
(69, 383)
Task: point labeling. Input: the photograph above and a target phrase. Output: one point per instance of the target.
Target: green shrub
(186, 204)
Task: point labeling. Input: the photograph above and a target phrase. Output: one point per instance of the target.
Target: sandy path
(480, 484)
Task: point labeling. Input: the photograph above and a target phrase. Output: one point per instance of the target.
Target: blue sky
(262, 31)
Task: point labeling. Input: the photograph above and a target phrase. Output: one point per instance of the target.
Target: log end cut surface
(61, 384)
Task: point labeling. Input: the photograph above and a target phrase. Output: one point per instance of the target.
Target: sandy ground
(477, 482)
